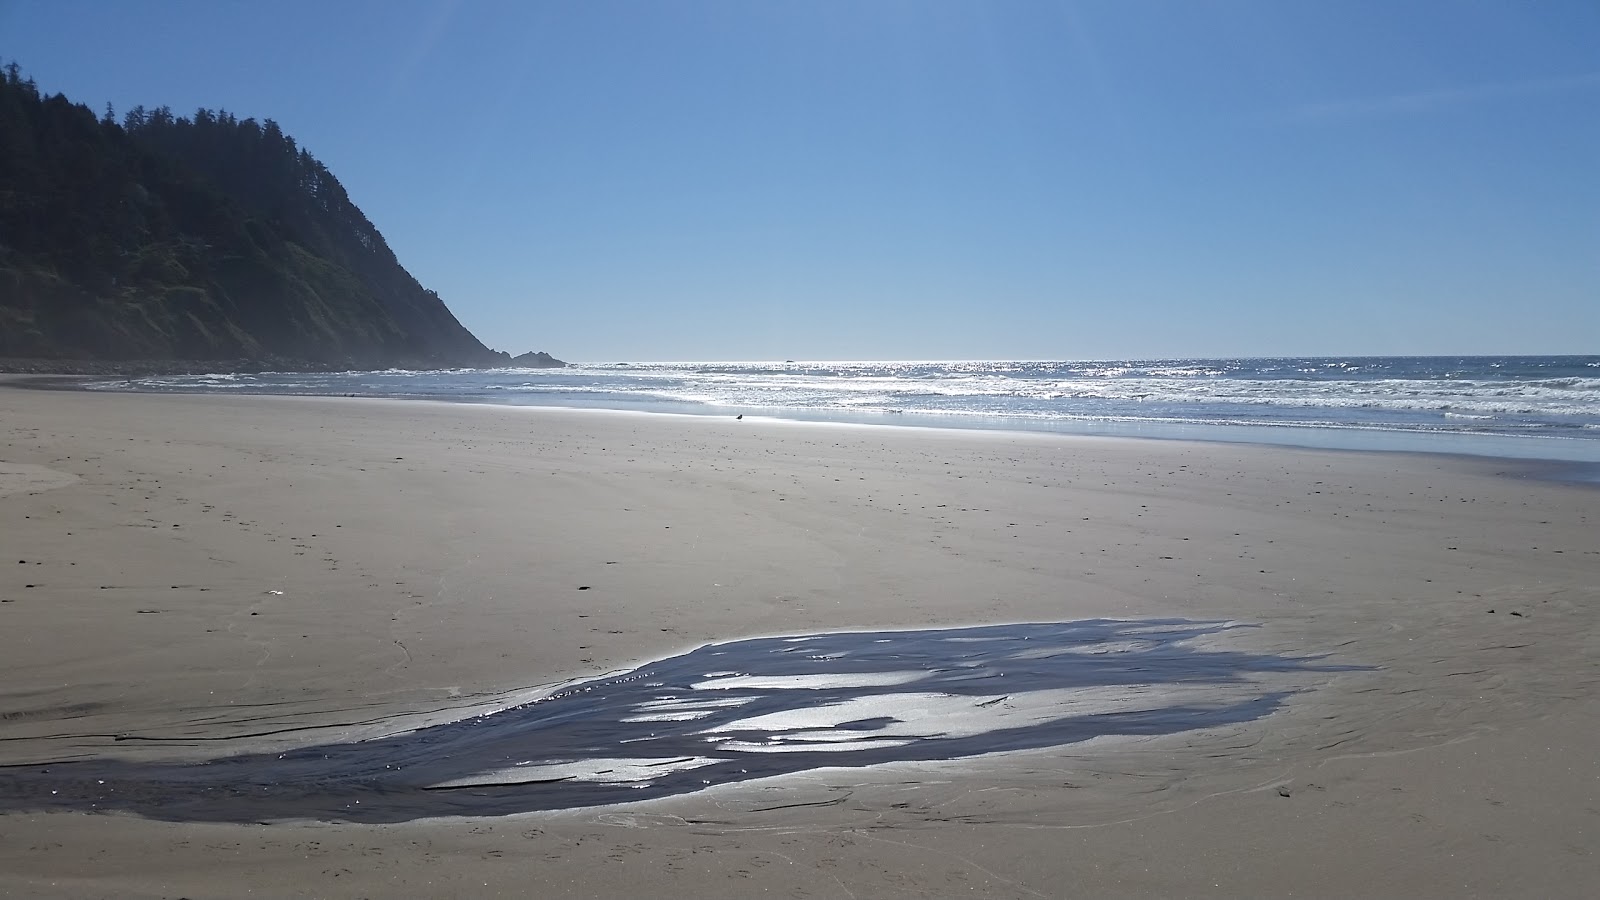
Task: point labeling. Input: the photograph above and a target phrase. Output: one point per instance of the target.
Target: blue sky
(924, 180)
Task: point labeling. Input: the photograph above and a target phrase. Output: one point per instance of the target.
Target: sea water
(1538, 407)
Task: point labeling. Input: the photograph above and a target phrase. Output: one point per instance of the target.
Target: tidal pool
(726, 713)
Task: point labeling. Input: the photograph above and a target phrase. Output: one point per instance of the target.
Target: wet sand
(723, 714)
(189, 578)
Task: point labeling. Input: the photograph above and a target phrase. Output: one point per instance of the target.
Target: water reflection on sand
(727, 713)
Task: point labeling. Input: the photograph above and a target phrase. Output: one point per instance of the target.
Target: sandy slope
(209, 575)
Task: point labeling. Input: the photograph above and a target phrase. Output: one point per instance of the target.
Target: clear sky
(927, 179)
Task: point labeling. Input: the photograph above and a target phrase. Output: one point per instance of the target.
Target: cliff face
(201, 238)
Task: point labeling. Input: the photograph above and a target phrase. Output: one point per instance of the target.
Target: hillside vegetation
(201, 237)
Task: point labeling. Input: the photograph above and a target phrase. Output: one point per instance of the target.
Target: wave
(1466, 395)
(1562, 397)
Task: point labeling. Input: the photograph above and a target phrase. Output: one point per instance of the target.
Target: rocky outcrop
(539, 360)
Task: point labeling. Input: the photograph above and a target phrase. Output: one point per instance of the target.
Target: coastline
(1555, 459)
(430, 555)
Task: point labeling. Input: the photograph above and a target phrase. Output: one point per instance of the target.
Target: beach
(192, 576)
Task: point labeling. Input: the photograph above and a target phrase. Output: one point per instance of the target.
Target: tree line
(204, 236)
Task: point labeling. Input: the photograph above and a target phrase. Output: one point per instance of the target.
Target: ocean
(1535, 407)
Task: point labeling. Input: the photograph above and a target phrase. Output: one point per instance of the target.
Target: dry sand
(210, 575)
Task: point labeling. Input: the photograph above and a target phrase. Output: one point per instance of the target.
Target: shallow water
(727, 713)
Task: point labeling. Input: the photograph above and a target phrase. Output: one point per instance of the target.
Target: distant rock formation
(171, 238)
(539, 360)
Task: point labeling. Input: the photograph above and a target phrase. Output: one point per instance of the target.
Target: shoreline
(217, 574)
(1575, 469)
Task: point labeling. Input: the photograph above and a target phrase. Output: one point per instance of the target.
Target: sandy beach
(189, 577)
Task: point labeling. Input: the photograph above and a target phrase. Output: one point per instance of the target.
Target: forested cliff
(201, 237)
